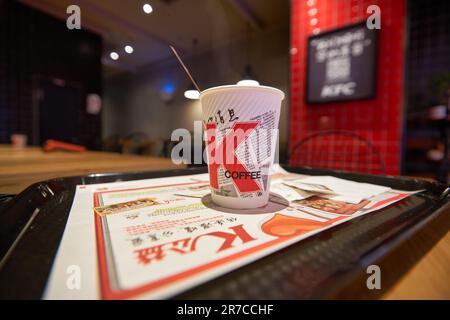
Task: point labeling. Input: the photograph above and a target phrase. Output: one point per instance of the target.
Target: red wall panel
(378, 120)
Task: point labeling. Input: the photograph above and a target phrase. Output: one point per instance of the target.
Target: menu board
(342, 64)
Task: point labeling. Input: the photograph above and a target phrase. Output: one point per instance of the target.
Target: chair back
(339, 150)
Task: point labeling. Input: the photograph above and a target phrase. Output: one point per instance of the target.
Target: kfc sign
(342, 64)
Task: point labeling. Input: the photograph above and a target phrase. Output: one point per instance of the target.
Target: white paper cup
(241, 124)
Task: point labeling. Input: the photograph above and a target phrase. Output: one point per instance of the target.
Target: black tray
(32, 224)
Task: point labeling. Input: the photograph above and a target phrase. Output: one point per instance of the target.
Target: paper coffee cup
(241, 124)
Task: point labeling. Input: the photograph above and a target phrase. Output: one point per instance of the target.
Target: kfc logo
(189, 245)
(223, 154)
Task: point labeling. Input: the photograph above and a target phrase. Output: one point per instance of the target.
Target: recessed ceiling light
(114, 55)
(147, 8)
(313, 21)
(129, 49)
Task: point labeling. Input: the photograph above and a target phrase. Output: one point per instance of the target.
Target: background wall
(33, 44)
(379, 120)
(428, 70)
(133, 103)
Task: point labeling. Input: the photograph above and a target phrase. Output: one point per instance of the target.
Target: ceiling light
(114, 55)
(147, 8)
(129, 49)
(310, 3)
(316, 31)
(192, 94)
(248, 78)
(248, 82)
(313, 21)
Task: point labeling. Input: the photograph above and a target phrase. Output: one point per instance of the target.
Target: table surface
(20, 168)
(428, 252)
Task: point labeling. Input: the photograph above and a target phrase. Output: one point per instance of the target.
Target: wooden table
(419, 269)
(20, 168)
(428, 252)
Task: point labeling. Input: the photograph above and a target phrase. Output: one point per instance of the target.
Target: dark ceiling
(213, 23)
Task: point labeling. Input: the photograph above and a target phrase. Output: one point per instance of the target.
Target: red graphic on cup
(224, 154)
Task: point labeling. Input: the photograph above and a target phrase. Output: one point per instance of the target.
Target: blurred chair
(134, 143)
(112, 144)
(339, 150)
(153, 147)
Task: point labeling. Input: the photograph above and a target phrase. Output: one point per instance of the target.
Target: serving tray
(32, 224)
